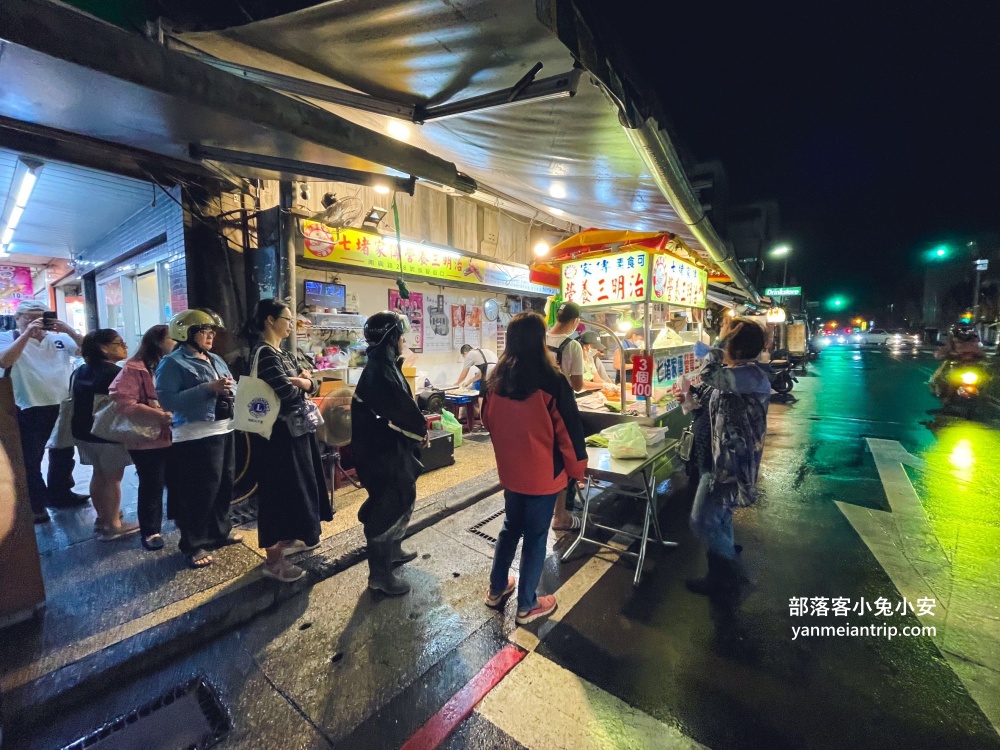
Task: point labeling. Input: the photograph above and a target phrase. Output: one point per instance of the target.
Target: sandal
(576, 525)
(495, 600)
(284, 571)
(233, 538)
(199, 559)
(152, 542)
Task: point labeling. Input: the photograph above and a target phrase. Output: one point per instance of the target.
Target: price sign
(642, 375)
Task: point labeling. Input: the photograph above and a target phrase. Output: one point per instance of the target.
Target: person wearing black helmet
(195, 385)
(962, 345)
(387, 430)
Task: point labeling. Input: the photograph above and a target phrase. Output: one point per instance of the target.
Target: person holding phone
(38, 359)
(195, 385)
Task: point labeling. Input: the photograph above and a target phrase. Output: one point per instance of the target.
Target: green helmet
(182, 323)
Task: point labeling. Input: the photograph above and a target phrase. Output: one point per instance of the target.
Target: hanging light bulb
(541, 248)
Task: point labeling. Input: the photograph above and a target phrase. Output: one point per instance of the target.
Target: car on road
(899, 339)
(874, 337)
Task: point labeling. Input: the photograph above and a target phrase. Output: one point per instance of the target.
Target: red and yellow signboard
(353, 247)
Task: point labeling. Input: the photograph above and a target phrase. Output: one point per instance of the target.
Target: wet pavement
(875, 512)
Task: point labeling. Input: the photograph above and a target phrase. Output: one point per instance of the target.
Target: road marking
(546, 707)
(905, 545)
(460, 705)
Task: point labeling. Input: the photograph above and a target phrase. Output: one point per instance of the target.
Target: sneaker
(111, 533)
(284, 571)
(69, 500)
(546, 606)
(99, 527)
(298, 546)
(496, 600)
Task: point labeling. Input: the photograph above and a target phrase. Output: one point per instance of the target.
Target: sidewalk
(113, 606)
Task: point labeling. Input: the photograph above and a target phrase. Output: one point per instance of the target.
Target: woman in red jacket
(538, 439)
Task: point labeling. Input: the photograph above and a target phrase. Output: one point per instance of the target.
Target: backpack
(558, 350)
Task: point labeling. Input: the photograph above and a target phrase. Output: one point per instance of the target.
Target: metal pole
(784, 275)
(286, 253)
(975, 298)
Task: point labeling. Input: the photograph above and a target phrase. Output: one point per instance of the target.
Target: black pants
(151, 467)
(200, 489)
(36, 426)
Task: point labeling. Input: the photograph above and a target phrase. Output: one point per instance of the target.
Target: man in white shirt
(564, 346)
(37, 357)
(477, 365)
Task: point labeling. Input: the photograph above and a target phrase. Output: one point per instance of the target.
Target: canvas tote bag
(257, 405)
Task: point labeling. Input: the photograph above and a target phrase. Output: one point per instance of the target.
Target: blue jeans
(711, 520)
(528, 516)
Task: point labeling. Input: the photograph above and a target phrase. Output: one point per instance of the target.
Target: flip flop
(153, 542)
(198, 558)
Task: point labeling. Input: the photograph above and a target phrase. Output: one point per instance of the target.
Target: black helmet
(964, 332)
(380, 326)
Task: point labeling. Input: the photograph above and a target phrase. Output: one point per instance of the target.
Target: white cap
(31, 305)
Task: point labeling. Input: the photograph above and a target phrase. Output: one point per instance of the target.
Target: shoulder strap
(256, 359)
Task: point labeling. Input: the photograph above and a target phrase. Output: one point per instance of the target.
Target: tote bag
(62, 433)
(110, 424)
(256, 403)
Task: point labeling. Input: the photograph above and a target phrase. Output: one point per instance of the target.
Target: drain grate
(489, 527)
(189, 716)
(244, 511)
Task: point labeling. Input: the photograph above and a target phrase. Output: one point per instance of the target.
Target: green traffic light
(941, 252)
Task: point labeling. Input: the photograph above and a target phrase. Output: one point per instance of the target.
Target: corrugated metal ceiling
(70, 208)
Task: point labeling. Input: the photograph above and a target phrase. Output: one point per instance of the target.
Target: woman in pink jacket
(135, 394)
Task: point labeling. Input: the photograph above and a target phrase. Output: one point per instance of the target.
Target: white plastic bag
(257, 406)
(627, 442)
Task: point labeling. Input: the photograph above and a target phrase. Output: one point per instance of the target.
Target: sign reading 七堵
(675, 282)
(783, 291)
(352, 247)
(642, 375)
(622, 279)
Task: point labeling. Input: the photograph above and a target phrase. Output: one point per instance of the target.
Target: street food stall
(625, 280)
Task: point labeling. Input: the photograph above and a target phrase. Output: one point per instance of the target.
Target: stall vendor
(387, 431)
(633, 340)
(477, 364)
(595, 376)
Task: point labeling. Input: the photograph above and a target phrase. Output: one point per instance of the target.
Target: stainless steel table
(631, 477)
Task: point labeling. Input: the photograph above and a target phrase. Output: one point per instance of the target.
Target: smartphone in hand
(49, 321)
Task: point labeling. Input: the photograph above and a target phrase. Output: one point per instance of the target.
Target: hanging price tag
(642, 375)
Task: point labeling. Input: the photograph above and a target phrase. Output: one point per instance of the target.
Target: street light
(782, 251)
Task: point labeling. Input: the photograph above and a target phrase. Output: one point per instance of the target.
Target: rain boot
(712, 583)
(381, 576)
(400, 555)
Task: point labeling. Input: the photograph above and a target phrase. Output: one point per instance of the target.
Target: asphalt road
(875, 512)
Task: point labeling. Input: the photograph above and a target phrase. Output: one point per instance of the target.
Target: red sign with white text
(642, 375)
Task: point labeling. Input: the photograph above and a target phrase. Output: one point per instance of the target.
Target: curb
(72, 685)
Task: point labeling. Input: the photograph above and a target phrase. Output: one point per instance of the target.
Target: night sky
(874, 127)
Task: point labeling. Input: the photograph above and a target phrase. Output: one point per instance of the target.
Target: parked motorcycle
(780, 372)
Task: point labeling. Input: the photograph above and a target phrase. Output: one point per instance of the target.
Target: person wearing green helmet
(197, 387)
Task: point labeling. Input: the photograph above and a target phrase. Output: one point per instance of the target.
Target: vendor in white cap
(595, 375)
(37, 357)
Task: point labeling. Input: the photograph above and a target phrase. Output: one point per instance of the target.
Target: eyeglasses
(283, 317)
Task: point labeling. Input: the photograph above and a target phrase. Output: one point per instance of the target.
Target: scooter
(780, 372)
(960, 386)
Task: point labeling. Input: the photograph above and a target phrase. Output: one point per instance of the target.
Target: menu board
(413, 309)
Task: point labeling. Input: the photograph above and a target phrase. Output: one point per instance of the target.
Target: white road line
(546, 707)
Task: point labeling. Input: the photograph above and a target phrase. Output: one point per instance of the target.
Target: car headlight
(970, 378)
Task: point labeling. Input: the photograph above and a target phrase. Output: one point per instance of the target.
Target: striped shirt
(276, 368)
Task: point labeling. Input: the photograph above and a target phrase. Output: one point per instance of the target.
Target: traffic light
(836, 303)
(939, 253)
(966, 317)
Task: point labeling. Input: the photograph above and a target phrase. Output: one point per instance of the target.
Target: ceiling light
(556, 211)
(541, 248)
(557, 190)
(381, 189)
(25, 176)
(374, 217)
(398, 130)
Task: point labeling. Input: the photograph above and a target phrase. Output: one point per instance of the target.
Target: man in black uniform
(388, 429)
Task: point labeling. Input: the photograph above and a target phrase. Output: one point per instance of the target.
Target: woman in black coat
(387, 431)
